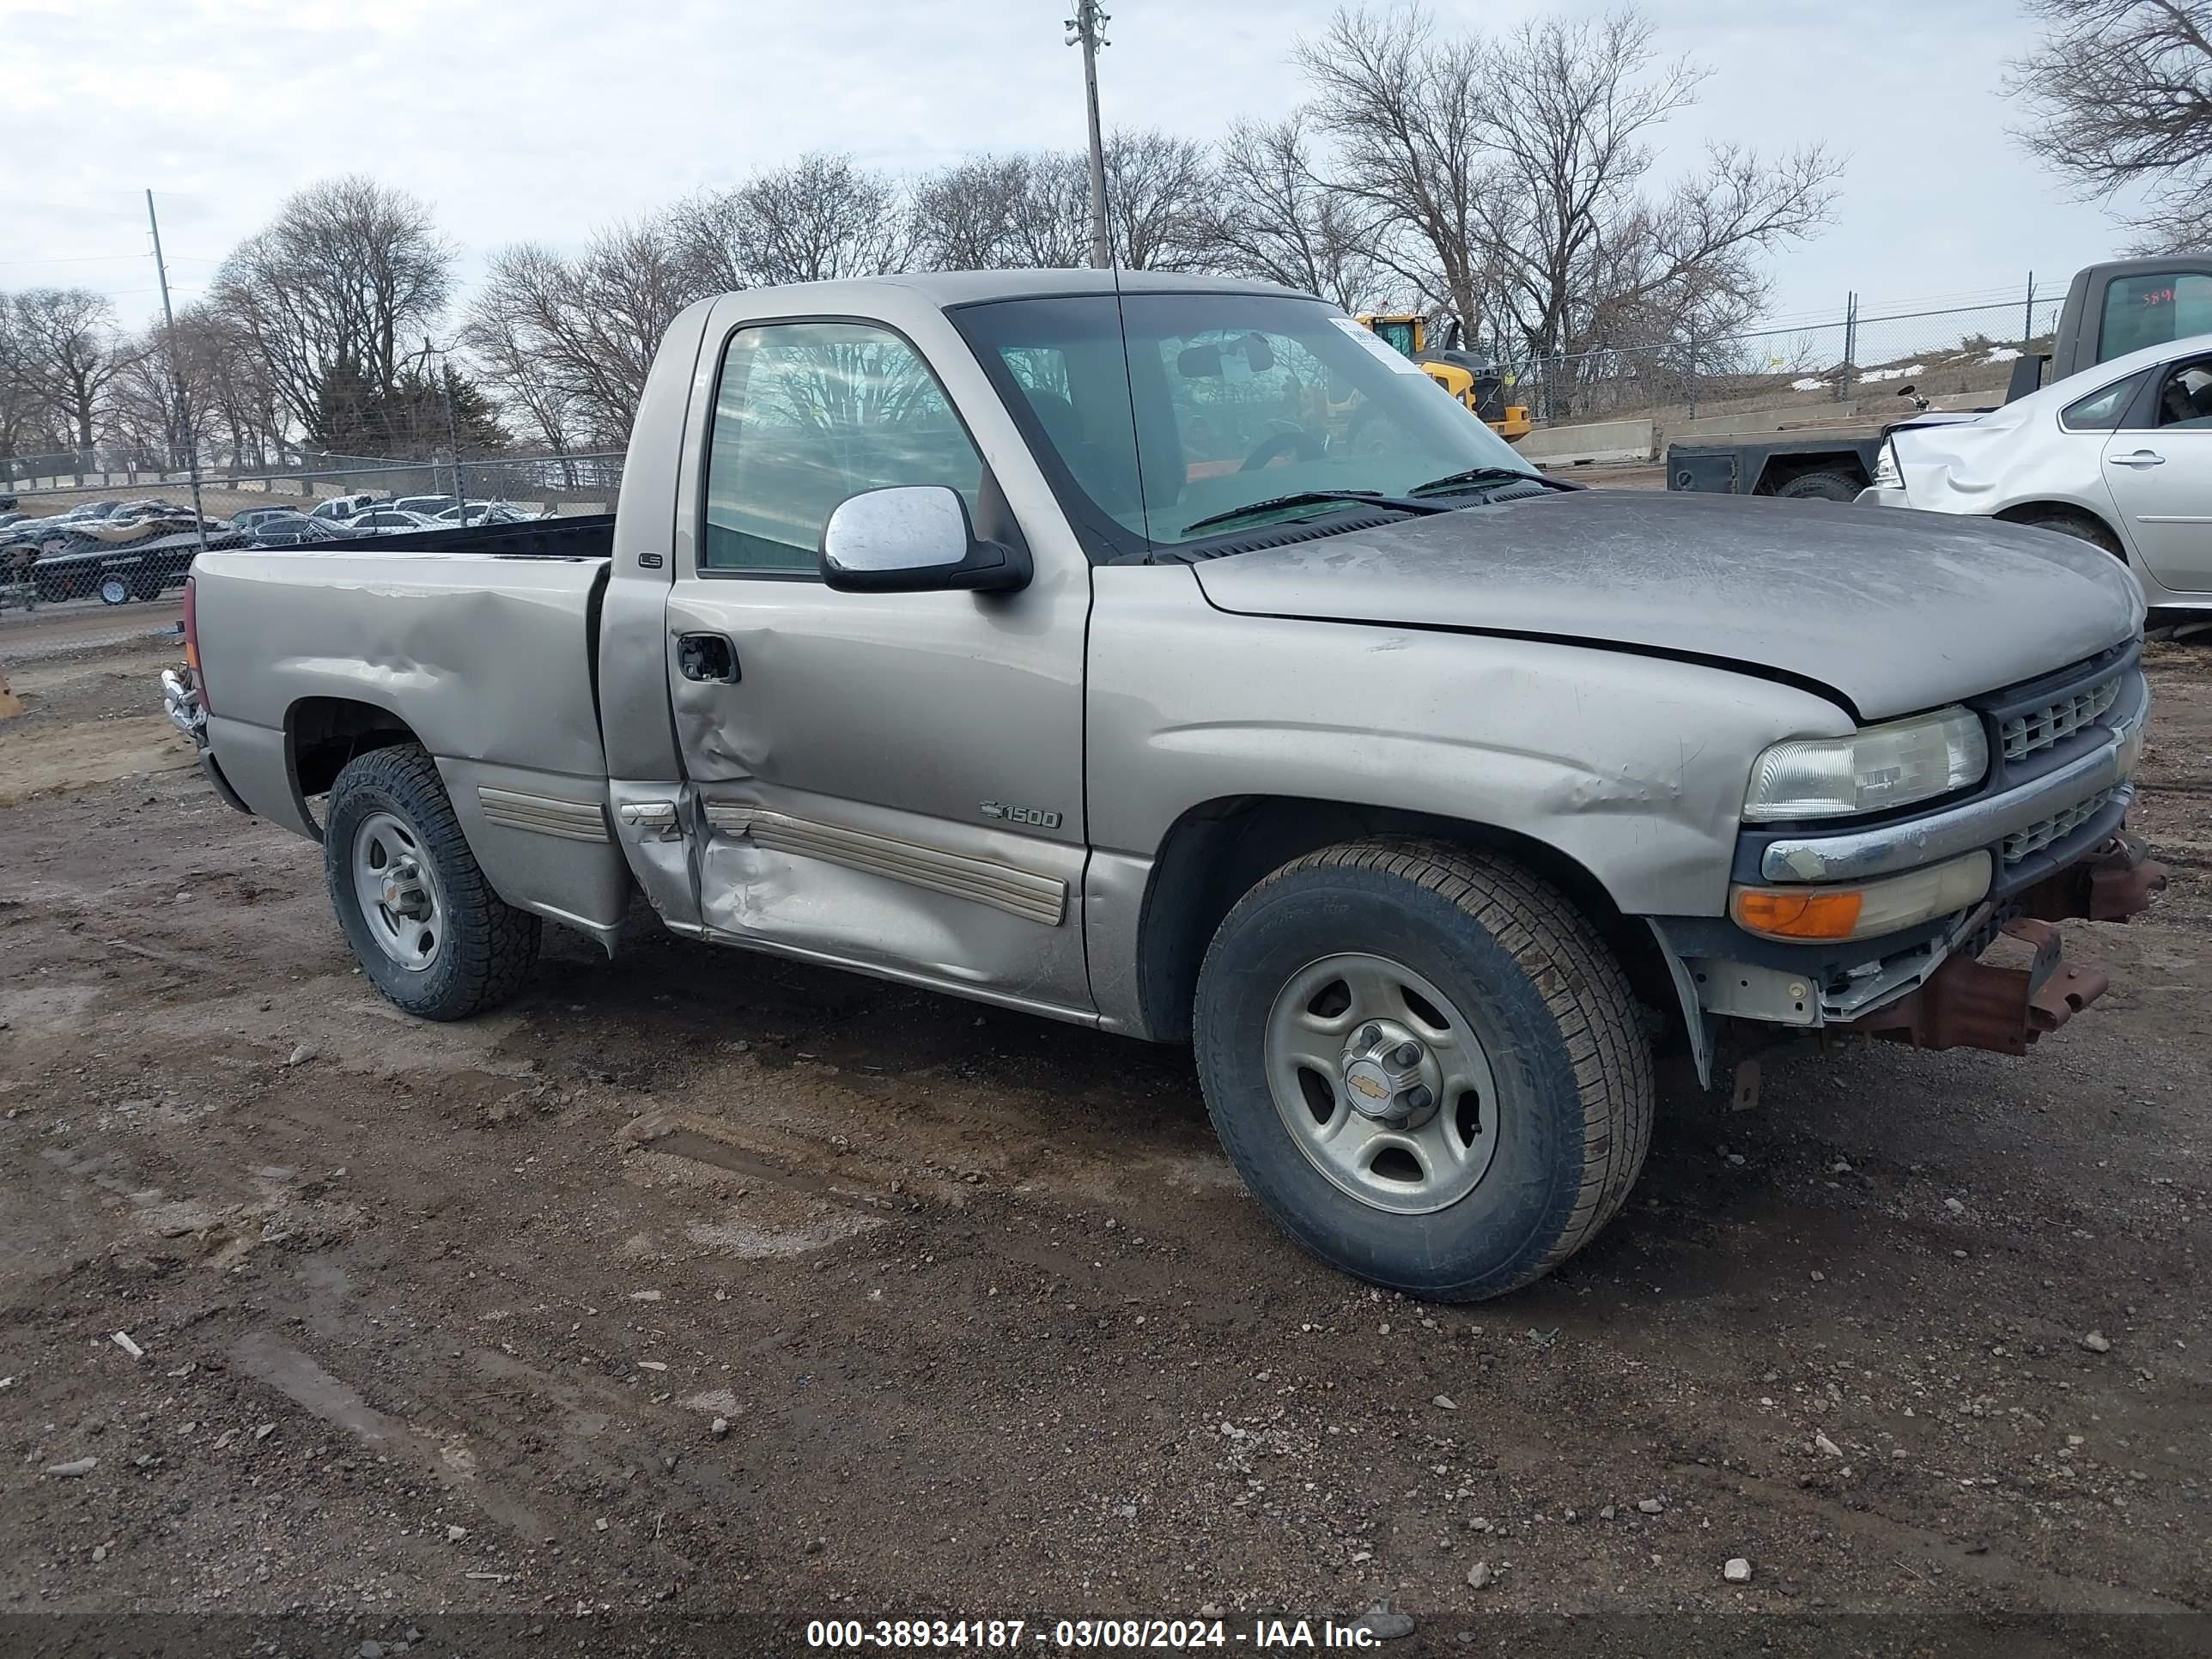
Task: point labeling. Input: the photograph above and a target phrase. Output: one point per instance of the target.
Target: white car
(388, 521)
(2120, 455)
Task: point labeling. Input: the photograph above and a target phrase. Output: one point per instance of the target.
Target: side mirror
(914, 538)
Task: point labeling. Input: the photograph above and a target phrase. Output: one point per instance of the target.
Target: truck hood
(1888, 612)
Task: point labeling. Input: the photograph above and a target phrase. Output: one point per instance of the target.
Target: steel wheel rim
(1317, 1052)
(114, 591)
(400, 901)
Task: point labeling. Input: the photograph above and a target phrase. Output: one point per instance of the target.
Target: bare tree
(1516, 171)
(245, 420)
(1408, 112)
(1032, 210)
(1157, 200)
(818, 219)
(964, 215)
(2121, 91)
(1274, 217)
(567, 343)
(70, 351)
(160, 401)
(1050, 226)
(334, 292)
(22, 407)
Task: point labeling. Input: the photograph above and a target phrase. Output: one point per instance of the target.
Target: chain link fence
(95, 566)
(1861, 361)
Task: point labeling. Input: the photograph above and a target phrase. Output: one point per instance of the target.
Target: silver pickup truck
(1170, 656)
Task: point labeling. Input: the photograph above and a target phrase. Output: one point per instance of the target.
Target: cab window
(808, 414)
(2154, 310)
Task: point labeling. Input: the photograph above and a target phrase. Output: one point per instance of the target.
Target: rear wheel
(1425, 1064)
(1824, 486)
(428, 930)
(2080, 525)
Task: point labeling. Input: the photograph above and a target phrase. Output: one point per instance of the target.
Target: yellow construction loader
(1474, 380)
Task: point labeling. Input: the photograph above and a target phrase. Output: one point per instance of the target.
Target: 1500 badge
(1029, 815)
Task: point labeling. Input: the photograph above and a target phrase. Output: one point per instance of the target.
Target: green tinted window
(808, 414)
(2154, 310)
(1399, 337)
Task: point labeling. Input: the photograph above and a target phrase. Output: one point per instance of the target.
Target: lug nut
(1406, 1054)
(1417, 1098)
(1369, 1034)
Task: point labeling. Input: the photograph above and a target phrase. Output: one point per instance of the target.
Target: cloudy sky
(540, 118)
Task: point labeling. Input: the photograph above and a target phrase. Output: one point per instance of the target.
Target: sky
(541, 119)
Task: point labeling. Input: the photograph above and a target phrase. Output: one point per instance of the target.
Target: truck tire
(1527, 1109)
(1823, 486)
(423, 922)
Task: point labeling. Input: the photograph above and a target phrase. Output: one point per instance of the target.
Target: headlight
(1871, 771)
(1886, 473)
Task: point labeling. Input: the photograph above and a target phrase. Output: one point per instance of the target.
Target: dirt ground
(701, 1286)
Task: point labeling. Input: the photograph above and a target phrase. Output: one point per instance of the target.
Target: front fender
(1633, 766)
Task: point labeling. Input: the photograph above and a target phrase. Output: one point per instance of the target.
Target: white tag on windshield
(1374, 342)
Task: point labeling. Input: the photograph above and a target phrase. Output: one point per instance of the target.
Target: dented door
(888, 781)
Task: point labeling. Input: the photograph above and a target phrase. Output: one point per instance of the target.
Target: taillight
(192, 641)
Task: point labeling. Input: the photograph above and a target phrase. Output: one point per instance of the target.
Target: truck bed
(585, 537)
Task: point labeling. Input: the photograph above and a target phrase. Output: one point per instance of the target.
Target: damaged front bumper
(1967, 1003)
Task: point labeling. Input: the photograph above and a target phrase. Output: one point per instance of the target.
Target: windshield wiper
(1314, 498)
(1486, 475)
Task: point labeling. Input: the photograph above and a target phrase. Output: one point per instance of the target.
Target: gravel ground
(700, 1285)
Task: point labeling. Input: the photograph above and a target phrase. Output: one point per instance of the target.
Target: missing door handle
(709, 657)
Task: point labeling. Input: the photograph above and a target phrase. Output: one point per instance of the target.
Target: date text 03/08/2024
(1139, 1635)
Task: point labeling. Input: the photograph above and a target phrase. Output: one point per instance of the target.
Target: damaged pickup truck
(1050, 641)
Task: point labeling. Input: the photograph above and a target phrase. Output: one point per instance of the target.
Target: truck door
(885, 781)
(2158, 468)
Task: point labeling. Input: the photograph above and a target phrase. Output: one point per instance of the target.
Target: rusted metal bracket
(2115, 882)
(1976, 1005)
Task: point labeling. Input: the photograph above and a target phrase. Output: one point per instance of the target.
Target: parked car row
(121, 550)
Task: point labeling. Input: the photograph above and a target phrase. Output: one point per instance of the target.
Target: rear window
(2101, 411)
(2154, 310)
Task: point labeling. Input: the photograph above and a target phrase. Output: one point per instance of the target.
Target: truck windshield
(1217, 401)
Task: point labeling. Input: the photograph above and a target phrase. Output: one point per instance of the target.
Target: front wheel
(1425, 1064)
(428, 930)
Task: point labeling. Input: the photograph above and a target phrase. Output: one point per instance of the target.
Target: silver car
(2119, 455)
(388, 521)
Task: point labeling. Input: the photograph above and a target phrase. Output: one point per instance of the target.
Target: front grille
(2045, 832)
(2036, 729)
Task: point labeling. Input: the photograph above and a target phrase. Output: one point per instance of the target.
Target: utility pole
(1088, 27)
(176, 370)
(453, 433)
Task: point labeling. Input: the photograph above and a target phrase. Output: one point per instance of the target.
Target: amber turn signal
(1831, 914)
